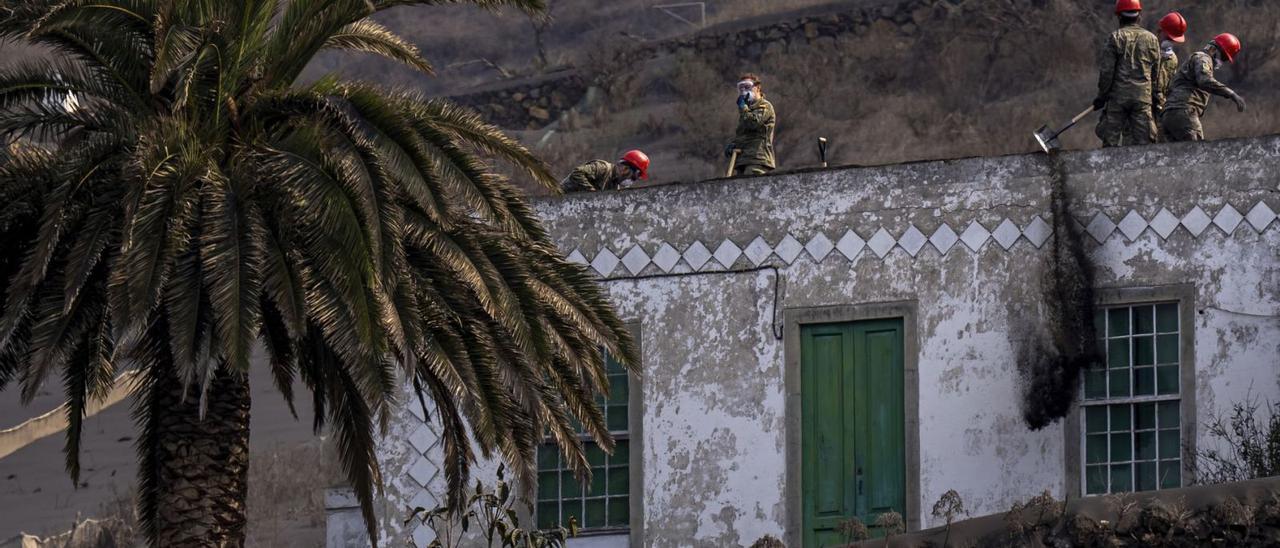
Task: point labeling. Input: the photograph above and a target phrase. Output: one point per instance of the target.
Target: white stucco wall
(962, 239)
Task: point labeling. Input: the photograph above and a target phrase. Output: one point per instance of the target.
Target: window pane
(1100, 323)
(1167, 379)
(548, 515)
(595, 455)
(1095, 480)
(598, 477)
(1118, 353)
(1145, 446)
(1144, 381)
(613, 366)
(1095, 448)
(1167, 349)
(1169, 444)
(618, 389)
(619, 512)
(1145, 414)
(1170, 474)
(1095, 383)
(617, 418)
(621, 453)
(1169, 414)
(595, 513)
(548, 486)
(1144, 351)
(1119, 383)
(571, 509)
(1095, 419)
(548, 457)
(1121, 478)
(1145, 476)
(1144, 319)
(1167, 317)
(619, 481)
(1120, 418)
(569, 485)
(1118, 319)
(1121, 447)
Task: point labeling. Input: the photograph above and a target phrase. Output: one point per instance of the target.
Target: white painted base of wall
(605, 541)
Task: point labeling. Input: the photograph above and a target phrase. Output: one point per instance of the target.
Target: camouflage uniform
(1164, 80)
(755, 138)
(592, 176)
(1127, 66)
(1188, 97)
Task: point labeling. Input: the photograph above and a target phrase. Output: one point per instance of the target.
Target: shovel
(733, 162)
(1048, 139)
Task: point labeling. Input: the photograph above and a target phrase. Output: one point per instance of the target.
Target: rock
(539, 113)
(921, 15)
(909, 29)
(535, 93)
(811, 30)
(517, 97)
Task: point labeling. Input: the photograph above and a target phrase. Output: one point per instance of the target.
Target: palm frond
(368, 36)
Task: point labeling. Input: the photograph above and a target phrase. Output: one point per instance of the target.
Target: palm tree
(171, 196)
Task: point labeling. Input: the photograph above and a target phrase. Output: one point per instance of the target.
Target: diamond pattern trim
(944, 238)
(728, 253)
(881, 243)
(1261, 218)
(851, 244)
(635, 260)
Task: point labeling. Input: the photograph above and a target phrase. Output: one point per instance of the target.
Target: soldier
(1189, 94)
(1126, 76)
(1173, 31)
(605, 175)
(756, 122)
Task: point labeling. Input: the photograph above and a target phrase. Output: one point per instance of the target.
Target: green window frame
(603, 506)
(1131, 406)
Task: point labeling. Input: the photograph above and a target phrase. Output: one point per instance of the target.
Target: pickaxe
(1048, 139)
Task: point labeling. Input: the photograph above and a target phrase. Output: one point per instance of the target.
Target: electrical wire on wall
(776, 329)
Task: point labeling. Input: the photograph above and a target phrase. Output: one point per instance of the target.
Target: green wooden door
(853, 453)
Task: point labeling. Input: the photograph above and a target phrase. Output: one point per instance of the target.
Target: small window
(1132, 402)
(605, 504)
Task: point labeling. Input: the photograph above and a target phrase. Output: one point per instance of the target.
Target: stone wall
(961, 244)
(530, 103)
(534, 103)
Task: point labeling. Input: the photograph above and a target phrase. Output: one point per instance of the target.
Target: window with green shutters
(603, 504)
(1132, 402)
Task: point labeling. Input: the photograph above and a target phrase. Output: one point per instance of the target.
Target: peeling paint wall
(964, 239)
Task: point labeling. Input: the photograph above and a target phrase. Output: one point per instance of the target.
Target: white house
(841, 342)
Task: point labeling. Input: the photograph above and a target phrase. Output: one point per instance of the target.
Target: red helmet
(637, 160)
(1174, 26)
(1229, 45)
(1128, 5)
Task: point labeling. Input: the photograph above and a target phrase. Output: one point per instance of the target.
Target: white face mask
(746, 88)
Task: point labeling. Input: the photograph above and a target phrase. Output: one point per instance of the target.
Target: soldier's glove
(742, 102)
(1238, 100)
(1099, 103)
(728, 151)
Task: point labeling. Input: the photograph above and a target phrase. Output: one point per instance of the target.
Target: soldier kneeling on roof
(599, 175)
(1194, 81)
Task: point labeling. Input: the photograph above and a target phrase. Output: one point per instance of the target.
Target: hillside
(907, 80)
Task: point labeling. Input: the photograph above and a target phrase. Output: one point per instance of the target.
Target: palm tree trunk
(203, 464)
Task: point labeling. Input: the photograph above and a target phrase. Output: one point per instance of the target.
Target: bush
(1244, 446)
